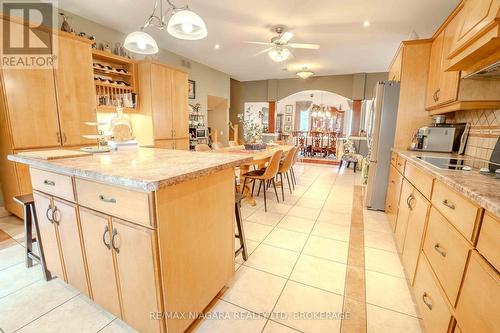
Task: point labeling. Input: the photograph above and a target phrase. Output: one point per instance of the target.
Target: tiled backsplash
(484, 133)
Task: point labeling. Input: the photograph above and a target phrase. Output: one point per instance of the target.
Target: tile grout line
(298, 257)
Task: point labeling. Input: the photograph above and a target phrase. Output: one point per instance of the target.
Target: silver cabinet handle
(50, 218)
(449, 204)
(439, 249)
(65, 138)
(56, 215)
(106, 231)
(49, 182)
(58, 137)
(408, 201)
(108, 200)
(424, 299)
(437, 94)
(116, 248)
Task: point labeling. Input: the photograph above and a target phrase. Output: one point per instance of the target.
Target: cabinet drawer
(447, 253)
(458, 210)
(130, 205)
(479, 302)
(420, 179)
(431, 303)
(394, 159)
(52, 183)
(487, 243)
(400, 164)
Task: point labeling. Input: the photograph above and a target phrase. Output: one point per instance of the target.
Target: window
(304, 120)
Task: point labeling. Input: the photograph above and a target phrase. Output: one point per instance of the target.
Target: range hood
(490, 72)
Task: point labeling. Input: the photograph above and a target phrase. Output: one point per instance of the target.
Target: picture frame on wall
(191, 89)
(288, 109)
(288, 119)
(288, 128)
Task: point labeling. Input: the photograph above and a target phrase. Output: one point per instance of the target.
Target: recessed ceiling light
(216, 46)
(366, 24)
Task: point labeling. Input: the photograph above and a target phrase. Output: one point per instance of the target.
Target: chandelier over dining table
(326, 118)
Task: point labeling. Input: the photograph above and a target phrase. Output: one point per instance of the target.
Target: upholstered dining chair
(202, 147)
(265, 176)
(285, 167)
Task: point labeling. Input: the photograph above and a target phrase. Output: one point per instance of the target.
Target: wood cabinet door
(403, 215)
(75, 90)
(476, 15)
(161, 95)
(414, 232)
(65, 216)
(164, 144)
(393, 193)
(180, 105)
(435, 68)
(48, 233)
(135, 248)
(182, 144)
(96, 231)
(448, 81)
(31, 104)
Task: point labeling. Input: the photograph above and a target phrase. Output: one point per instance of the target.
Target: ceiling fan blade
(305, 46)
(263, 51)
(285, 37)
(259, 43)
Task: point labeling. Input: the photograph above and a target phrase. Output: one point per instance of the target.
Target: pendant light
(183, 24)
(305, 73)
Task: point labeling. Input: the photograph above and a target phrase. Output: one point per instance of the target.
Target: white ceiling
(337, 25)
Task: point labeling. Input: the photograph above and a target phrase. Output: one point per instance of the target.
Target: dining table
(259, 160)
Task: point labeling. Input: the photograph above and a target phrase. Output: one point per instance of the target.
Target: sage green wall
(208, 80)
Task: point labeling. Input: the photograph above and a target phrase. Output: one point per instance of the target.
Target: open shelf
(114, 93)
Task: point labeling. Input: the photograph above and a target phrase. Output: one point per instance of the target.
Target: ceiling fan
(279, 46)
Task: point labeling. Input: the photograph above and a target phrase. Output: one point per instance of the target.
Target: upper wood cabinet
(161, 101)
(395, 67)
(164, 99)
(180, 105)
(476, 42)
(446, 92)
(75, 90)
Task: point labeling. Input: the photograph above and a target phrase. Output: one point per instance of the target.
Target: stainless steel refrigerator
(380, 140)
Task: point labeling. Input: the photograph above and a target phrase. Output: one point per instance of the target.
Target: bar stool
(239, 225)
(29, 220)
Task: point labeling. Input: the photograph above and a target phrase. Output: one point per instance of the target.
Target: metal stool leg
(46, 274)
(276, 192)
(28, 236)
(282, 187)
(265, 197)
(241, 233)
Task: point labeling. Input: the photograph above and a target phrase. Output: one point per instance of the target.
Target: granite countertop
(482, 190)
(145, 169)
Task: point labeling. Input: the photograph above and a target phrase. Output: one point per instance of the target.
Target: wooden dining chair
(265, 176)
(202, 147)
(217, 145)
(285, 167)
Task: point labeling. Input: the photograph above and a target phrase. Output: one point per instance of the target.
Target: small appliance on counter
(441, 137)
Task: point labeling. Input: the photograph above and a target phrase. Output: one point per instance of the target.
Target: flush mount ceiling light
(279, 54)
(182, 24)
(305, 73)
(366, 24)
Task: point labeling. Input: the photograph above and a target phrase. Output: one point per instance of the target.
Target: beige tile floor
(296, 271)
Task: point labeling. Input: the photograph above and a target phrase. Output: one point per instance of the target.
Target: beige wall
(352, 86)
(208, 80)
(218, 117)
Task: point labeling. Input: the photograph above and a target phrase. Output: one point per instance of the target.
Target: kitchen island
(148, 234)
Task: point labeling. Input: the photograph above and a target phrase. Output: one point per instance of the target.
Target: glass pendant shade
(140, 42)
(279, 54)
(185, 24)
(305, 74)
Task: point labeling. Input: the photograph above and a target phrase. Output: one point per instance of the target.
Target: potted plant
(252, 130)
